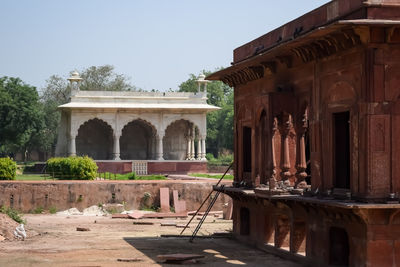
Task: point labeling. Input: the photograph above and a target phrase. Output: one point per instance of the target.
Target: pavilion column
(189, 145)
(192, 151)
(160, 153)
(116, 149)
(153, 147)
(203, 147)
(72, 145)
(199, 150)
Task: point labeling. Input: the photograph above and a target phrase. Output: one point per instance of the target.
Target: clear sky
(155, 43)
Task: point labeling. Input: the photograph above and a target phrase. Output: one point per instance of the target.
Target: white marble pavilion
(111, 125)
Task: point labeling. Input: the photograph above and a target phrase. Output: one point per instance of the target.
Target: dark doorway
(136, 141)
(244, 221)
(262, 149)
(339, 247)
(341, 150)
(246, 149)
(95, 139)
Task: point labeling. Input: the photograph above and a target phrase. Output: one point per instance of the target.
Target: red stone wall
(114, 166)
(180, 167)
(154, 167)
(62, 195)
(304, 231)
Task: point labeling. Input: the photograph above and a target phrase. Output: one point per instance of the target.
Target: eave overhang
(318, 43)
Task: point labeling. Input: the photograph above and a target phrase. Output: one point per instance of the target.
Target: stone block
(164, 199)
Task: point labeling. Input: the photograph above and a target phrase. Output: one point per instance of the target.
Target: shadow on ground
(217, 251)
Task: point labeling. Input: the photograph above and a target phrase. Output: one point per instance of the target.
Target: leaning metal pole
(205, 215)
(205, 200)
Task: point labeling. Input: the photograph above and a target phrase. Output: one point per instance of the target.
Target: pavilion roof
(139, 101)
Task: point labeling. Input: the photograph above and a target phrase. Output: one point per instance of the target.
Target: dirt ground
(59, 244)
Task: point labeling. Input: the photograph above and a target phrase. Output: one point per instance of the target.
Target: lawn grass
(214, 176)
(32, 177)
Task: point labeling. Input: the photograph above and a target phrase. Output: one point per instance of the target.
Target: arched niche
(137, 141)
(95, 139)
(340, 92)
(175, 140)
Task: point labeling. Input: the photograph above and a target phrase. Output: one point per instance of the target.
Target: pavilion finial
(75, 81)
(201, 81)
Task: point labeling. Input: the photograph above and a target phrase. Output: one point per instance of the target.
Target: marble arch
(94, 139)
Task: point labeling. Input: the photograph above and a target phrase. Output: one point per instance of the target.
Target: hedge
(8, 169)
(72, 168)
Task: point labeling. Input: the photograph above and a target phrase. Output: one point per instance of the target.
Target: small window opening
(244, 221)
(339, 247)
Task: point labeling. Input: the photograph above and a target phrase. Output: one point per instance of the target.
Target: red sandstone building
(317, 127)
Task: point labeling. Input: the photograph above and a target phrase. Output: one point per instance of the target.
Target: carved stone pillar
(286, 127)
(116, 150)
(189, 145)
(192, 151)
(154, 146)
(160, 153)
(302, 164)
(282, 231)
(72, 146)
(199, 149)
(203, 148)
(272, 179)
(298, 237)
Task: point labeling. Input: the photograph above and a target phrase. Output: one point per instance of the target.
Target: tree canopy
(57, 92)
(21, 116)
(103, 78)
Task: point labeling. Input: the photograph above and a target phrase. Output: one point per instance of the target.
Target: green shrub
(74, 168)
(8, 169)
(222, 160)
(132, 176)
(12, 213)
(53, 210)
(38, 210)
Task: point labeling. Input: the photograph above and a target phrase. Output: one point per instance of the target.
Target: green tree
(21, 116)
(57, 92)
(219, 123)
(103, 78)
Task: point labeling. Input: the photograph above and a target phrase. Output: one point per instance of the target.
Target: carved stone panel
(379, 155)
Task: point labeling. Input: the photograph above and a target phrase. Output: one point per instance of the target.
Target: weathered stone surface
(135, 214)
(164, 199)
(28, 195)
(179, 205)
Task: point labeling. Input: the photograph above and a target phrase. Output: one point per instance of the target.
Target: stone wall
(26, 196)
